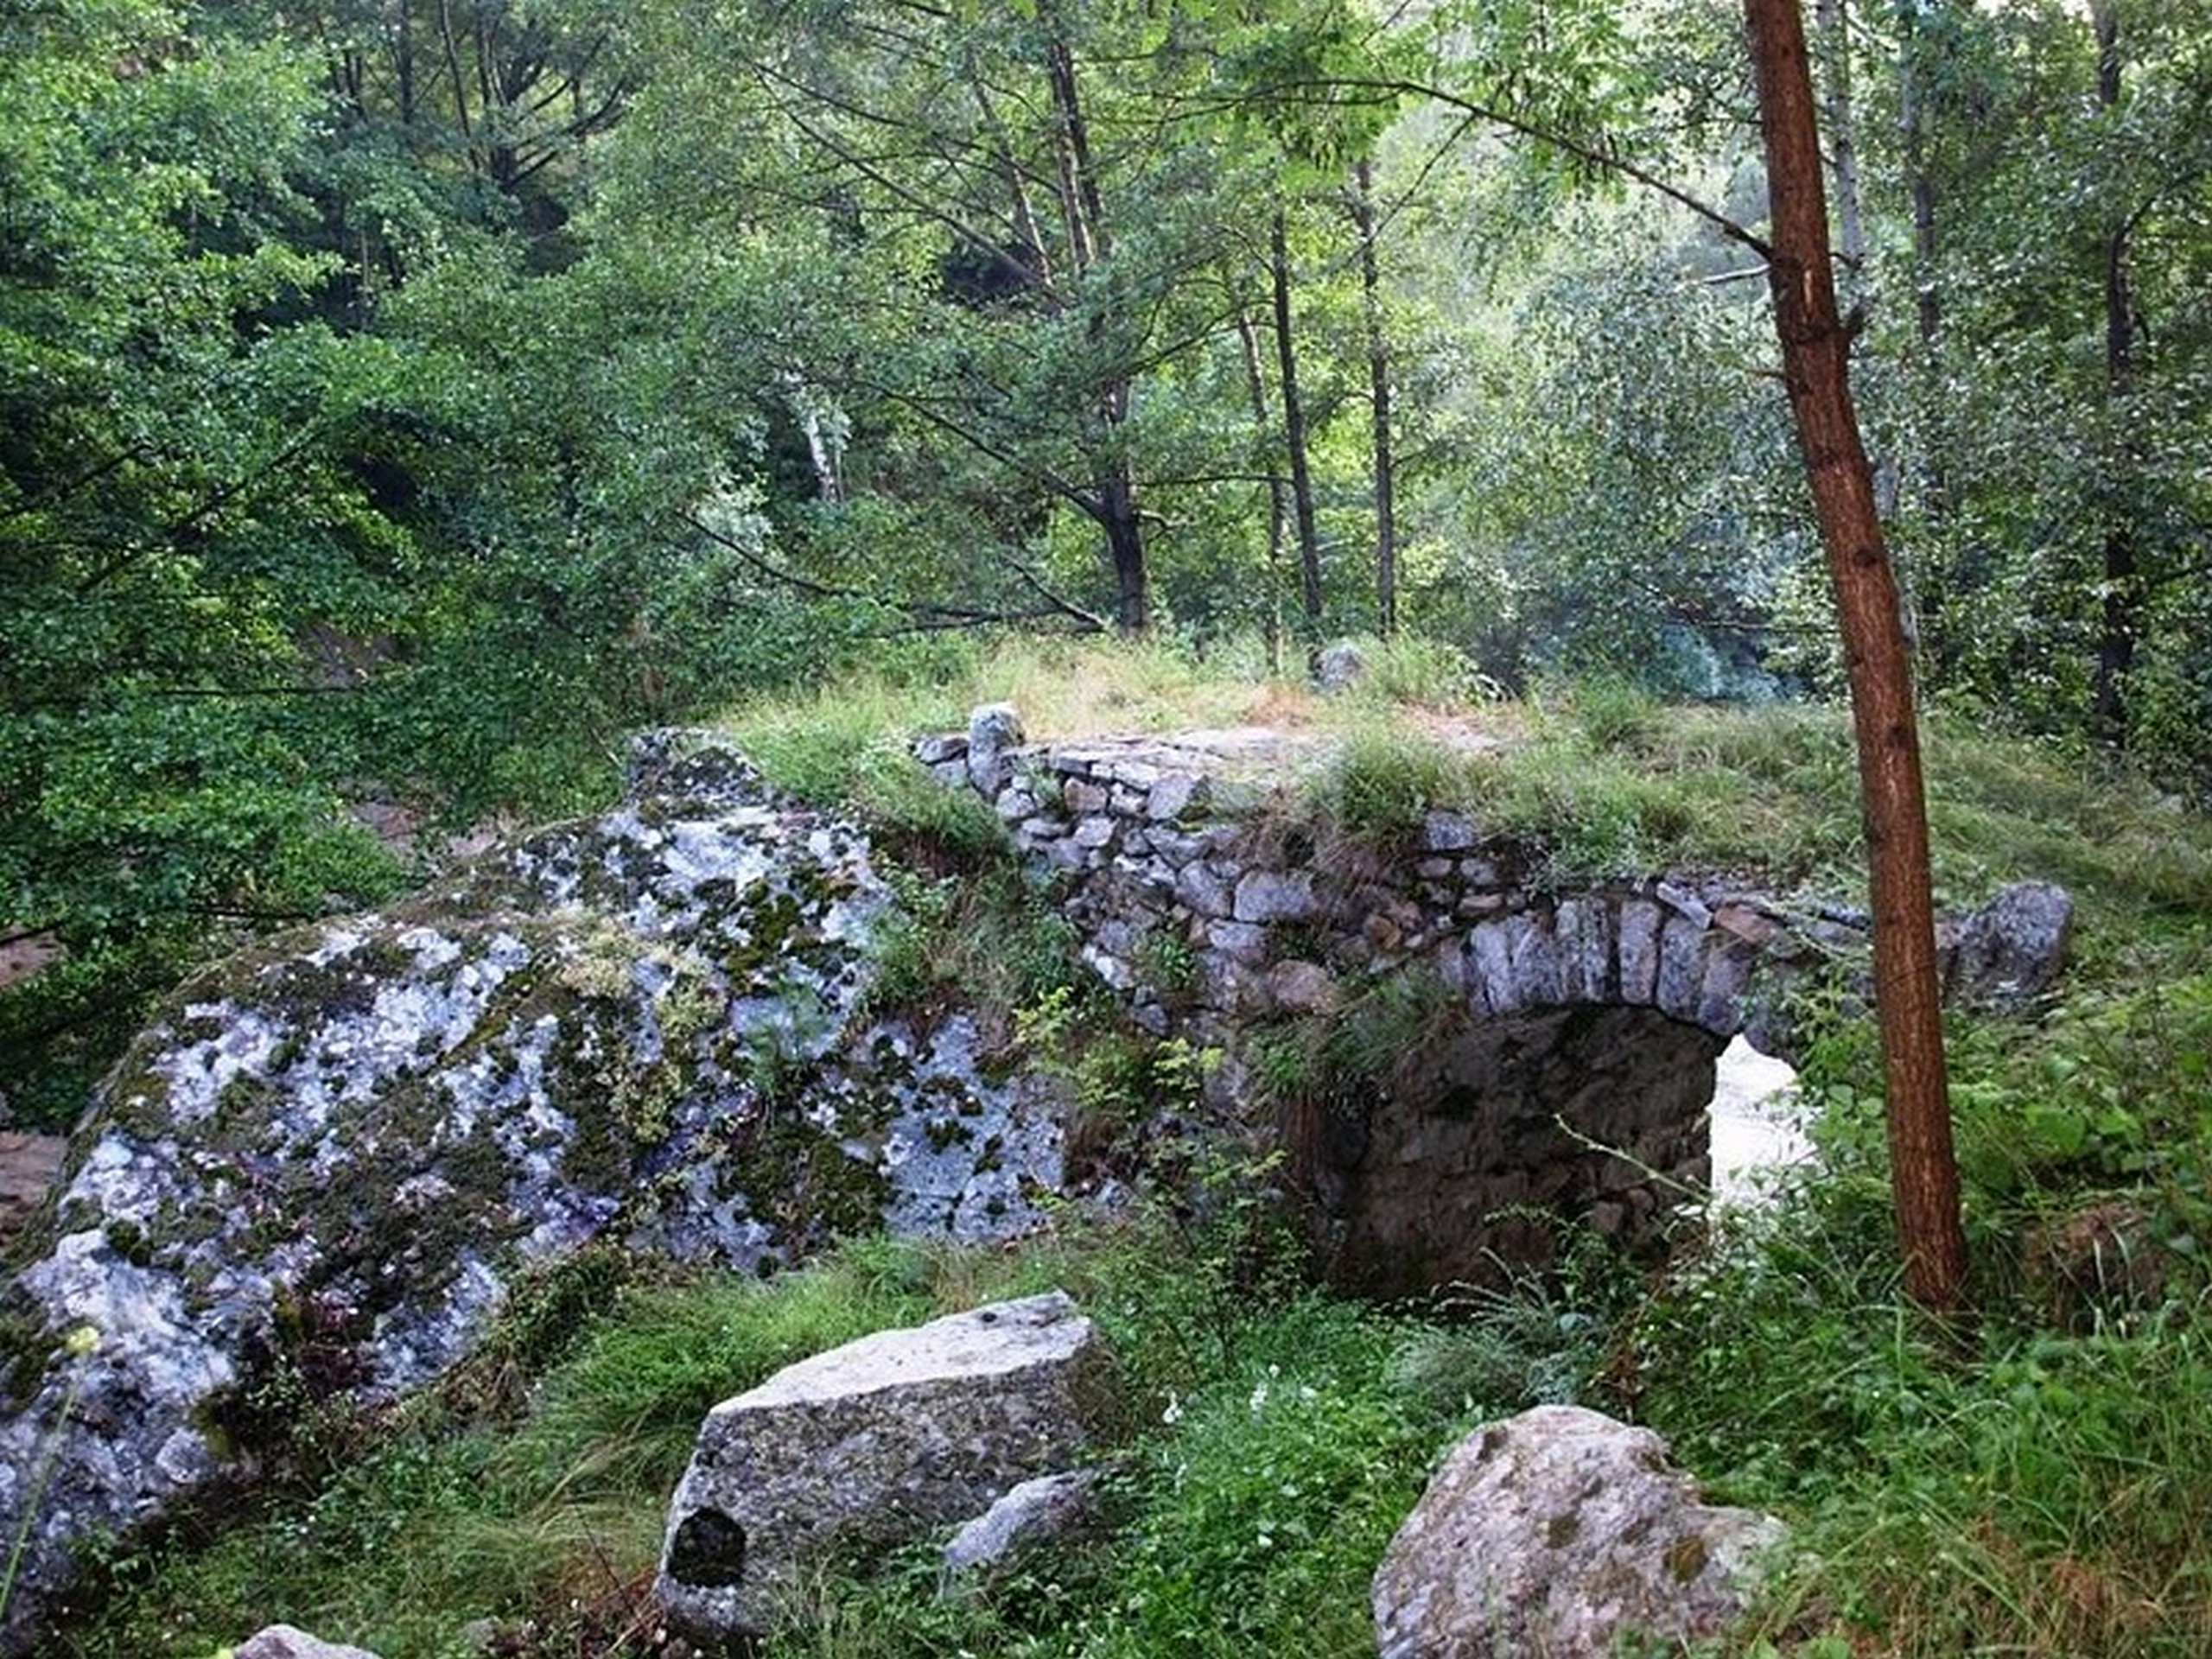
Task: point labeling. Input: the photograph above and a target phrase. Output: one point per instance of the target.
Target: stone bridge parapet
(1175, 869)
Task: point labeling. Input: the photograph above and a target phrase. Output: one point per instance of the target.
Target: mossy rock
(318, 1180)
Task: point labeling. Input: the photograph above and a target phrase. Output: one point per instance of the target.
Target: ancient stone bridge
(1458, 1051)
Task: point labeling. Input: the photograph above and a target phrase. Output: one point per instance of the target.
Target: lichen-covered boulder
(872, 1444)
(324, 1170)
(1562, 1531)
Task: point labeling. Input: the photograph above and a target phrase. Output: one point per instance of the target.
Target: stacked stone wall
(1183, 852)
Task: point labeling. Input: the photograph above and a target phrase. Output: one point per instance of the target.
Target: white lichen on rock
(354, 1138)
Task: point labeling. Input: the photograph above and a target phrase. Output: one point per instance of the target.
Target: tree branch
(1607, 160)
(925, 615)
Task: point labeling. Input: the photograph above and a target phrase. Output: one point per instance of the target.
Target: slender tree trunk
(2117, 632)
(1294, 432)
(1816, 365)
(1834, 21)
(1278, 492)
(1117, 500)
(402, 62)
(1036, 251)
(1931, 469)
(1378, 381)
(460, 83)
(1083, 206)
(1912, 119)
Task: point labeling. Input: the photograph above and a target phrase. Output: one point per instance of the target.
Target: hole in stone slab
(708, 1552)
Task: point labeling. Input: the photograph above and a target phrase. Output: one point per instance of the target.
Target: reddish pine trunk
(1815, 351)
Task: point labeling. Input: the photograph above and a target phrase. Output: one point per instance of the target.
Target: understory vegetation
(2034, 1479)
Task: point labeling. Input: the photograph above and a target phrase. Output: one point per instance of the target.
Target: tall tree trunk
(1294, 432)
(1083, 206)
(460, 83)
(1378, 381)
(1815, 350)
(1118, 515)
(403, 61)
(1278, 492)
(2117, 632)
(1036, 250)
(1920, 178)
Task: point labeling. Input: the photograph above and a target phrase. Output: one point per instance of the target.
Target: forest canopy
(400, 402)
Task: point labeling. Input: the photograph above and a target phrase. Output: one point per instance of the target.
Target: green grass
(1604, 781)
(2037, 1480)
(1065, 689)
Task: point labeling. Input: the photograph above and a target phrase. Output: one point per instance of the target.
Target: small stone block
(1447, 832)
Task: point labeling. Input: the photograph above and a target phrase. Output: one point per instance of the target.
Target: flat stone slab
(869, 1446)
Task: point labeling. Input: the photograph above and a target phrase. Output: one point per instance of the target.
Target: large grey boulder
(871, 1444)
(1561, 1532)
(2010, 952)
(331, 1162)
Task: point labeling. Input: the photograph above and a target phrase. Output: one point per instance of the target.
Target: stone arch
(1664, 948)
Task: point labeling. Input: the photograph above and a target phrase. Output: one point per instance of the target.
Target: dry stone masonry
(1565, 1058)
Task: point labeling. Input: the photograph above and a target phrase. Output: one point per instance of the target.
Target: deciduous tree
(1815, 350)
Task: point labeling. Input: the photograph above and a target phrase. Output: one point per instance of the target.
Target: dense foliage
(402, 401)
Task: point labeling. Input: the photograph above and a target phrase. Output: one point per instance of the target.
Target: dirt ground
(28, 1164)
